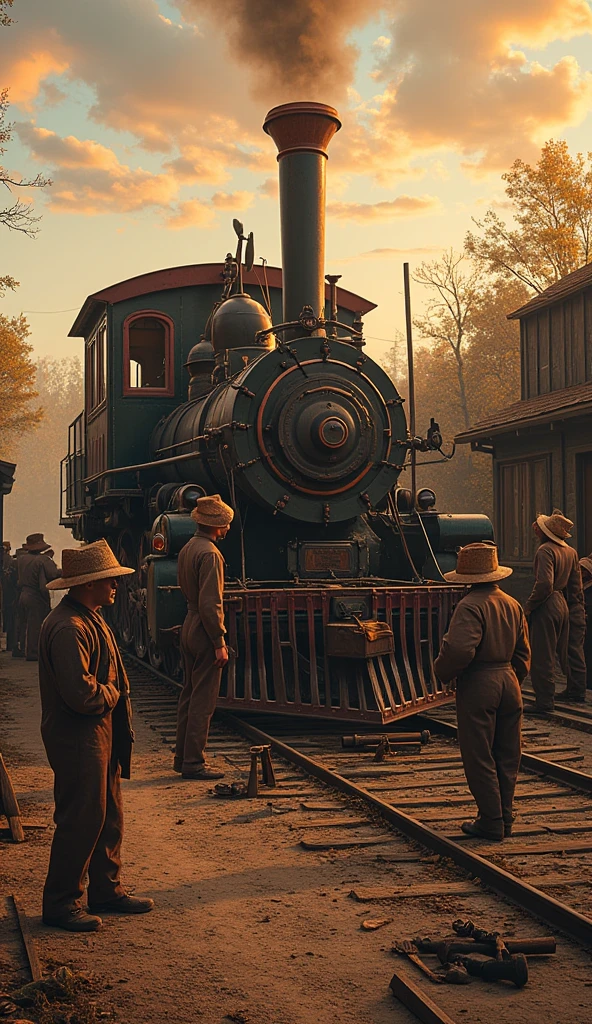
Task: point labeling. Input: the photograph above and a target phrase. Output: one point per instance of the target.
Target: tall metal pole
(410, 378)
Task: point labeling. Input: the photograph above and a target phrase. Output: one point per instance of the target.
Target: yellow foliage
(17, 382)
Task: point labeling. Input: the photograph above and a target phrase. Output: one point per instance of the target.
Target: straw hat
(212, 511)
(556, 526)
(36, 542)
(86, 564)
(477, 563)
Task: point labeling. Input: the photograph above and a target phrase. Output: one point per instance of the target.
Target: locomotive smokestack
(302, 133)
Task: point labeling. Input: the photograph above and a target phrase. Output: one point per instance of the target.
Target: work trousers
(198, 697)
(34, 608)
(548, 626)
(489, 715)
(88, 817)
(576, 662)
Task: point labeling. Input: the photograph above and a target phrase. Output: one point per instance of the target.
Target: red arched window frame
(169, 373)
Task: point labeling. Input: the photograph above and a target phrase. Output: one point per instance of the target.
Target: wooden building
(542, 445)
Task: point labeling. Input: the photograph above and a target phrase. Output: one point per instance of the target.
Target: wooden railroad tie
(9, 805)
(27, 937)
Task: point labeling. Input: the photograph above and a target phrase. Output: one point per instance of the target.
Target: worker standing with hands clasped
(486, 649)
(557, 615)
(203, 644)
(86, 730)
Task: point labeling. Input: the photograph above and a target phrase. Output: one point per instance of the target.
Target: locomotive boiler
(335, 599)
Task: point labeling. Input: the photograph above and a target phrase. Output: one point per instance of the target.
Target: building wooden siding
(556, 345)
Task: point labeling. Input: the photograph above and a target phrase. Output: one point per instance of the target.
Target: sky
(147, 116)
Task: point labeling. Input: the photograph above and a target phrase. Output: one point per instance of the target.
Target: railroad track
(545, 868)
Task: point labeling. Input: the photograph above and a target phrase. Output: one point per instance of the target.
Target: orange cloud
(189, 214)
(88, 178)
(233, 200)
(402, 206)
(28, 71)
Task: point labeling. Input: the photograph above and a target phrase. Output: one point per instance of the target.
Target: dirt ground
(248, 926)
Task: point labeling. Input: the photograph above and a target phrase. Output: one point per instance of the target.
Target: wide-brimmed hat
(36, 542)
(212, 511)
(555, 526)
(477, 563)
(86, 564)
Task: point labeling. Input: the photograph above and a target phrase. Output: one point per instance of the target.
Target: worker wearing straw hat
(486, 650)
(86, 730)
(203, 644)
(557, 617)
(36, 568)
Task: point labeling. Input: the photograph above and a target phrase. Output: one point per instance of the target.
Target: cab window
(148, 354)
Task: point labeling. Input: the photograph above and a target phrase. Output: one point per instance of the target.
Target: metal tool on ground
(261, 752)
(513, 968)
(409, 949)
(362, 741)
(447, 948)
(9, 805)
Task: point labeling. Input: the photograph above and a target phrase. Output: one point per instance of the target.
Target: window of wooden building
(148, 345)
(523, 491)
(96, 367)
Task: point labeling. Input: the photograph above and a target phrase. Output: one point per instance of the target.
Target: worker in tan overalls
(486, 650)
(557, 617)
(203, 644)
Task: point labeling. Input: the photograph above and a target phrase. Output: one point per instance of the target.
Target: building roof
(187, 277)
(531, 412)
(574, 282)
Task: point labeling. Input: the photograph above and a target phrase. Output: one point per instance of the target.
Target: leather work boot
(475, 829)
(74, 919)
(177, 766)
(571, 698)
(205, 772)
(533, 709)
(508, 827)
(124, 905)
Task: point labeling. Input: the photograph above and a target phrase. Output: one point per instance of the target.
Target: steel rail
(536, 902)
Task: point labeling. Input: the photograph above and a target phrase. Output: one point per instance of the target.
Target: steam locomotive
(335, 600)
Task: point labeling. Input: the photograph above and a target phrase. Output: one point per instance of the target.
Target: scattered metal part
(409, 949)
(514, 968)
(373, 924)
(267, 767)
(253, 783)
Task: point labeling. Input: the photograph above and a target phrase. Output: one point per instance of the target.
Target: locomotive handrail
(142, 465)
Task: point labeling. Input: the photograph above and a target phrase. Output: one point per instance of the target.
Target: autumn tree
(17, 215)
(17, 382)
(35, 500)
(551, 233)
(453, 291)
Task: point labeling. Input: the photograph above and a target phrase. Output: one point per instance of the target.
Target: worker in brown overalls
(36, 568)
(486, 650)
(86, 730)
(203, 644)
(557, 617)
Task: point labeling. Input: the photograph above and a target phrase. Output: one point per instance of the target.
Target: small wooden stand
(9, 805)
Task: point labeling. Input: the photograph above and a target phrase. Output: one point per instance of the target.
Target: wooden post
(9, 804)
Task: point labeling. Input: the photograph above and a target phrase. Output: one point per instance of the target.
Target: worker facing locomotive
(302, 434)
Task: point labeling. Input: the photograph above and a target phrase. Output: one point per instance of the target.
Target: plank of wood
(556, 808)
(368, 894)
(346, 844)
(411, 996)
(28, 940)
(536, 849)
(328, 808)
(331, 823)
(448, 801)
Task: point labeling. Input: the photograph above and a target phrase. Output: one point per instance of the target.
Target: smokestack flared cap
(302, 127)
